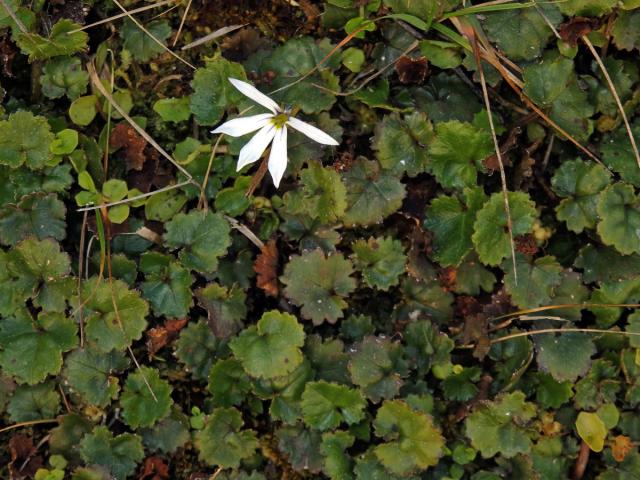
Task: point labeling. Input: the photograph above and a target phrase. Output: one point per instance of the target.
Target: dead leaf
(526, 244)
(411, 70)
(577, 27)
(124, 136)
(160, 337)
(447, 278)
(155, 468)
(621, 446)
(266, 266)
(24, 461)
(491, 162)
(476, 330)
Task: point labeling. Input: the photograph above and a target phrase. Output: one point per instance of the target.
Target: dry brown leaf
(160, 337)
(577, 27)
(24, 461)
(621, 446)
(411, 70)
(123, 136)
(155, 468)
(266, 266)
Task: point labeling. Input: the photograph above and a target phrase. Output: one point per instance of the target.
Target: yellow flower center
(280, 120)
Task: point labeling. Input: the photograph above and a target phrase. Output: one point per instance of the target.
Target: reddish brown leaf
(266, 266)
(476, 330)
(448, 278)
(24, 461)
(123, 135)
(621, 446)
(526, 244)
(411, 70)
(500, 304)
(160, 337)
(155, 468)
(577, 27)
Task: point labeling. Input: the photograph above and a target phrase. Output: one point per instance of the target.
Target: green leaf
(400, 143)
(25, 139)
(381, 261)
(60, 41)
(619, 211)
(412, 442)
(441, 54)
(326, 405)
(590, 8)
(374, 367)
(271, 348)
(319, 285)
(222, 442)
(301, 447)
(37, 215)
(118, 455)
(169, 434)
(527, 25)
(198, 348)
(163, 206)
(226, 308)
(423, 9)
(114, 315)
(65, 437)
(605, 264)
(212, 91)
(45, 339)
(167, 285)
(625, 30)
(457, 152)
(592, 430)
(90, 373)
(579, 183)
(65, 142)
(83, 110)
(427, 347)
(471, 277)
(490, 234)
(64, 76)
(372, 195)
(233, 201)
(337, 462)
(203, 237)
(323, 195)
(328, 359)
(500, 426)
(141, 45)
(353, 58)
(551, 393)
(566, 356)
(451, 221)
(461, 386)
(536, 280)
(228, 383)
(174, 110)
(544, 82)
(141, 407)
(618, 155)
(34, 402)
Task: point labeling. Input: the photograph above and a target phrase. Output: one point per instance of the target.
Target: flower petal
(278, 156)
(243, 125)
(254, 94)
(254, 148)
(310, 131)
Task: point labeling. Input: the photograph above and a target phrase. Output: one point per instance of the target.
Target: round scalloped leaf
(326, 405)
(579, 182)
(271, 348)
(536, 280)
(400, 143)
(222, 442)
(451, 221)
(32, 349)
(34, 402)
(566, 356)
(619, 212)
(372, 195)
(319, 284)
(112, 326)
(198, 348)
(89, 373)
(490, 234)
(119, 455)
(169, 434)
(338, 464)
(60, 41)
(167, 285)
(146, 398)
(500, 426)
(457, 152)
(592, 430)
(140, 44)
(228, 383)
(25, 139)
(65, 437)
(625, 32)
(64, 76)
(373, 367)
(412, 443)
(202, 237)
(38, 215)
(618, 155)
(544, 82)
(381, 261)
(226, 308)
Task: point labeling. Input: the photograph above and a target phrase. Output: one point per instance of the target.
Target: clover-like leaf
(401, 143)
(118, 455)
(146, 398)
(372, 195)
(271, 348)
(64, 76)
(222, 442)
(457, 152)
(45, 339)
(566, 356)
(579, 182)
(140, 44)
(38, 215)
(490, 234)
(226, 308)
(34, 402)
(619, 211)
(381, 261)
(203, 237)
(326, 405)
(535, 282)
(198, 348)
(64, 39)
(25, 139)
(451, 220)
(167, 285)
(319, 284)
(500, 426)
(412, 442)
(618, 155)
(375, 367)
(115, 316)
(212, 91)
(90, 373)
(337, 462)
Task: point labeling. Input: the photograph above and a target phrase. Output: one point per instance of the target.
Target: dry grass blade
(83, 232)
(120, 15)
(182, 20)
(135, 198)
(562, 330)
(202, 202)
(245, 231)
(28, 424)
(212, 36)
(564, 305)
(141, 27)
(616, 97)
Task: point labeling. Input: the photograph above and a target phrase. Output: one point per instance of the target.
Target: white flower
(272, 127)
